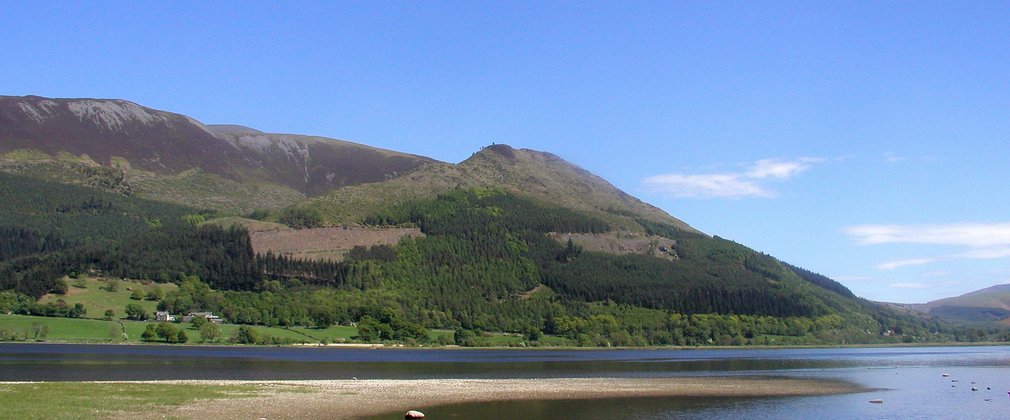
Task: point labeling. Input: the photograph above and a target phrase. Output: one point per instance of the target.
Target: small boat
(946, 375)
(877, 401)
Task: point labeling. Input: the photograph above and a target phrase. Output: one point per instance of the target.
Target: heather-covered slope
(120, 146)
(150, 140)
(313, 165)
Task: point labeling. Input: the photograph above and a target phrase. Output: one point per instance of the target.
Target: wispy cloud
(892, 158)
(986, 254)
(707, 186)
(976, 235)
(851, 278)
(748, 183)
(984, 240)
(780, 169)
(910, 285)
(891, 265)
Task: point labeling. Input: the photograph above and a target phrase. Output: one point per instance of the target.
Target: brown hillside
(313, 165)
(151, 140)
(171, 157)
(326, 243)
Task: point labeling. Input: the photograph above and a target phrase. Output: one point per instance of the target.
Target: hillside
(989, 304)
(536, 174)
(488, 261)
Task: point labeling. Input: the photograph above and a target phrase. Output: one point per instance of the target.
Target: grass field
(101, 331)
(67, 329)
(77, 400)
(332, 334)
(96, 298)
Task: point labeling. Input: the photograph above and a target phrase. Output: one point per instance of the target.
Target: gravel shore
(353, 398)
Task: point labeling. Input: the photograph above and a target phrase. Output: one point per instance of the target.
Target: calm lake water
(909, 380)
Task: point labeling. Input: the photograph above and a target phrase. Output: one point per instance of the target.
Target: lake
(909, 380)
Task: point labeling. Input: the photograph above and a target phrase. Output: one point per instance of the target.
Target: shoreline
(359, 398)
(400, 346)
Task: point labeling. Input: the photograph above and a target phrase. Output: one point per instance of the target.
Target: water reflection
(54, 362)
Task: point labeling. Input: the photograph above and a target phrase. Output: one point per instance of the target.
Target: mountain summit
(541, 175)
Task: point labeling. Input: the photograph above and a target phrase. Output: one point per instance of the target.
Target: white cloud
(851, 278)
(779, 169)
(706, 186)
(748, 183)
(891, 265)
(892, 158)
(977, 235)
(910, 285)
(986, 254)
(985, 240)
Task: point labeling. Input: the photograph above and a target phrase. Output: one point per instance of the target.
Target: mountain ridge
(162, 154)
(172, 157)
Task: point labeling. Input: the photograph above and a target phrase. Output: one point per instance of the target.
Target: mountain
(125, 147)
(511, 240)
(989, 304)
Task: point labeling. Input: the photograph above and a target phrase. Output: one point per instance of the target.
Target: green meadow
(96, 297)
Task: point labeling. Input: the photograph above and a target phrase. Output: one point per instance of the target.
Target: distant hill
(989, 304)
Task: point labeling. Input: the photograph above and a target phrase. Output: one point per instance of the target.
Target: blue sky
(867, 141)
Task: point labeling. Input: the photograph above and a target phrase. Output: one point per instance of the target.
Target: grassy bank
(86, 400)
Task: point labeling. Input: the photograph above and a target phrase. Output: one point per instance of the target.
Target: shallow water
(908, 379)
(907, 393)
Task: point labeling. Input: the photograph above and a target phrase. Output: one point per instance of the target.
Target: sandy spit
(353, 398)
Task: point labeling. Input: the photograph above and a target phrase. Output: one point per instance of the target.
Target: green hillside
(77, 214)
(486, 264)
